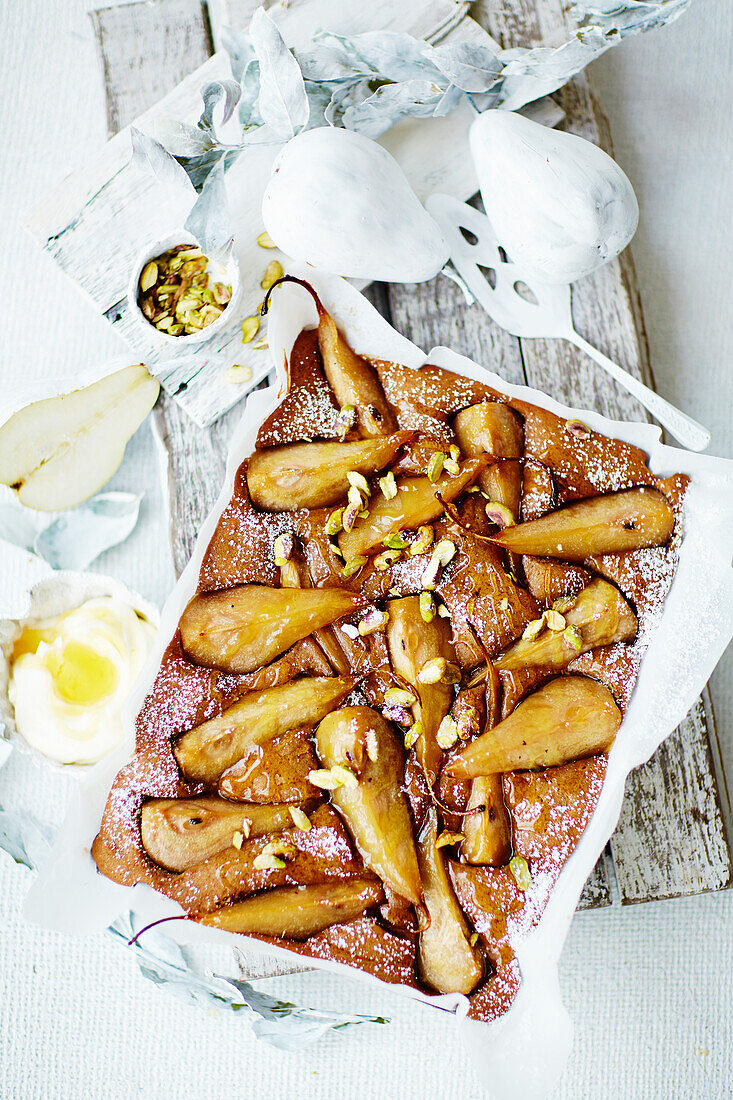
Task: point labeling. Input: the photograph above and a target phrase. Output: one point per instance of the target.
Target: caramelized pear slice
(568, 718)
(608, 524)
(243, 628)
(412, 643)
(415, 504)
(599, 616)
(446, 959)
(353, 380)
(489, 428)
(375, 810)
(180, 832)
(276, 771)
(550, 580)
(487, 828)
(313, 475)
(297, 912)
(208, 750)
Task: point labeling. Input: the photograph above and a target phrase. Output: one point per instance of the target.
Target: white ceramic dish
(72, 896)
(228, 272)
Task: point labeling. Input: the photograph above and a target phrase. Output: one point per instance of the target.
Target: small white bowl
(228, 273)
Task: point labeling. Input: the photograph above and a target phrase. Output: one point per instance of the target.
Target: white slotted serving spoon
(504, 297)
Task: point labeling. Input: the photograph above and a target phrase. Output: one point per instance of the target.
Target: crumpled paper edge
(670, 679)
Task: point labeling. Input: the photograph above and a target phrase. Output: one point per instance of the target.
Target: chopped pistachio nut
(412, 734)
(555, 620)
(335, 549)
(283, 547)
(260, 345)
(325, 779)
(504, 604)
(572, 635)
(300, 818)
(359, 482)
(266, 862)
(238, 840)
(388, 485)
(533, 630)
(432, 671)
(382, 562)
(430, 573)
(372, 745)
(445, 551)
(473, 939)
(350, 515)
(173, 292)
(334, 523)
(250, 328)
(273, 272)
(400, 715)
(520, 872)
(564, 604)
(454, 452)
(423, 541)
(353, 566)
(435, 466)
(373, 621)
(345, 776)
(451, 466)
(447, 734)
(427, 607)
(499, 514)
(577, 429)
(354, 497)
(443, 612)
(265, 241)
(246, 827)
(346, 419)
(396, 541)
(448, 839)
(238, 373)
(401, 696)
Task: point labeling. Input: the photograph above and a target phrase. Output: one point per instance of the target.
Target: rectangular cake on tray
(382, 724)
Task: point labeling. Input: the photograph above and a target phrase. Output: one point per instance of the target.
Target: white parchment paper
(521, 1055)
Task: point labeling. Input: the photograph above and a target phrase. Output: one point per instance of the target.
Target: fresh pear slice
(487, 829)
(446, 959)
(205, 752)
(245, 627)
(375, 810)
(568, 718)
(415, 504)
(608, 524)
(313, 475)
(599, 616)
(412, 643)
(58, 452)
(297, 912)
(180, 832)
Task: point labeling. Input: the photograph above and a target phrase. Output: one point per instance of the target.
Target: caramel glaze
(548, 810)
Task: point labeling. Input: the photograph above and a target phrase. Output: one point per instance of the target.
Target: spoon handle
(684, 429)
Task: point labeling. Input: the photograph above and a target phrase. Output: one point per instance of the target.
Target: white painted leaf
(283, 103)
(471, 67)
(179, 138)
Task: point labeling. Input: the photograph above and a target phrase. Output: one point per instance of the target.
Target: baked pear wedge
(608, 524)
(446, 960)
(240, 629)
(599, 616)
(180, 832)
(486, 826)
(566, 719)
(205, 752)
(550, 580)
(313, 475)
(494, 429)
(412, 643)
(416, 503)
(376, 809)
(297, 912)
(353, 381)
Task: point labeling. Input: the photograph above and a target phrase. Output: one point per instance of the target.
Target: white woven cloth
(650, 987)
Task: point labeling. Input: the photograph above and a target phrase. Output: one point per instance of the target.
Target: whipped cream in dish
(70, 676)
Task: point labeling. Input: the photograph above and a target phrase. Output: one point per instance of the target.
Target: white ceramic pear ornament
(340, 202)
(559, 205)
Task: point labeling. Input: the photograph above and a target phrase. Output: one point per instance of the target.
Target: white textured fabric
(650, 987)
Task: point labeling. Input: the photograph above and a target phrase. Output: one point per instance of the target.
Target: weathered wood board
(671, 838)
